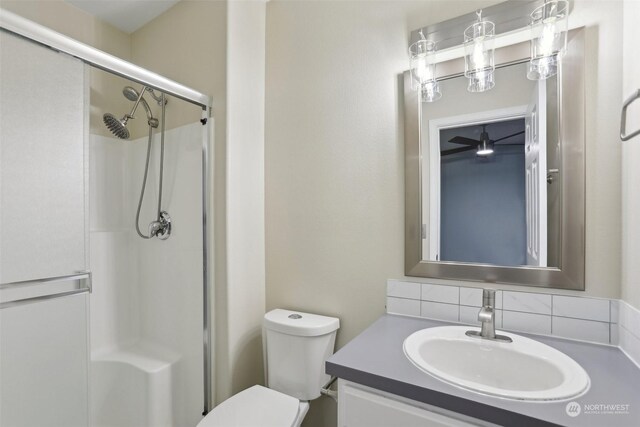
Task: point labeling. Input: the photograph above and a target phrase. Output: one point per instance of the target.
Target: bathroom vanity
(379, 386)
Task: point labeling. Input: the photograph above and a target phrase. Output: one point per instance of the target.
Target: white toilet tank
(296, 346)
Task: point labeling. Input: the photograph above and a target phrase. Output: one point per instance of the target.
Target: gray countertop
(375, 358)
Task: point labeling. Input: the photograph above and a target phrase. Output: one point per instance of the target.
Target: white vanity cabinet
(361, 406)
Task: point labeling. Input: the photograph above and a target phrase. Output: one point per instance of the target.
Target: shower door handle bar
(623, 117)
(84, 276)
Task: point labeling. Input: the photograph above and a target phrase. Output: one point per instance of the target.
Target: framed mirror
(495, 181)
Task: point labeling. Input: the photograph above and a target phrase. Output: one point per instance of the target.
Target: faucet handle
(488, 298)
(487, 317)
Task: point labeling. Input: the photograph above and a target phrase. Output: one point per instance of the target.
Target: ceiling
(126, 15)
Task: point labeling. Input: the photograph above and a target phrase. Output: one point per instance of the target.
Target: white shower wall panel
(170, 271)
(109, 180)
(147, 301)
(115, 319)
(115, 312)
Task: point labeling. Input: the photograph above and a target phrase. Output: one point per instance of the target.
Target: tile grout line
(551, 315)
(610, 318)
(610, 312)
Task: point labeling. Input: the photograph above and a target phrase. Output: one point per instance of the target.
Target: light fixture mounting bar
(508, 16)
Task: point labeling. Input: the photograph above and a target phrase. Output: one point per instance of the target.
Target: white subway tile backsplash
(469, 315)
(439, 311)
(526, 302)
(630, 344)
(471, 297)
(407, 307)
(440, 293)
(578, 329)
(581, 308)
(629, 318)
(526, 322)
(396, 288)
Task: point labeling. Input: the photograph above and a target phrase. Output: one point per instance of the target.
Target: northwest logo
(573, 409)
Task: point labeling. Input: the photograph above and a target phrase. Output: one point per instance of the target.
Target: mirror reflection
(490, 172)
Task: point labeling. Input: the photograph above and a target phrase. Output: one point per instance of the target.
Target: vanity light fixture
(549, 23)
(547, 26)
(423, 69)
(479, 57)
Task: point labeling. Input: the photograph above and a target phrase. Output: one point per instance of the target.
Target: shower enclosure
(104, 320)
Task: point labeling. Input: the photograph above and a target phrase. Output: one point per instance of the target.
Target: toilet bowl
(295, 345)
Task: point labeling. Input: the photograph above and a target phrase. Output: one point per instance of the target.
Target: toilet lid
(256, 406)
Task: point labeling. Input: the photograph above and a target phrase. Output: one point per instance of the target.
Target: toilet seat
(256, 406)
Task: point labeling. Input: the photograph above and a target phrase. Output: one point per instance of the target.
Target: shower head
(116, 126)
(130, 93)
(138, 97)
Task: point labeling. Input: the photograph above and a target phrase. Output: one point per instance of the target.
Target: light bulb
(547, 37)
(477, 57)
(423, 72)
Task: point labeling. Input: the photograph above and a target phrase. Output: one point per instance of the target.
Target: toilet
(295, 345)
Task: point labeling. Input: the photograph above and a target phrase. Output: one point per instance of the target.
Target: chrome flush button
(295, 316)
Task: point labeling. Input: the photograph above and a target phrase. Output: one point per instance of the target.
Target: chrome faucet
(487, 317)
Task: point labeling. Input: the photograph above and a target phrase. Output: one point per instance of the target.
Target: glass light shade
(549, 24)
(481, 81)
(422, 63)
(479, 55)
(430, 91)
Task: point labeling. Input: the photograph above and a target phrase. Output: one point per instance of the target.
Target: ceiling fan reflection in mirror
(484, 146)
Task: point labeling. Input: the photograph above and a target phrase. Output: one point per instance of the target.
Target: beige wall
(334, 153)
(245, 194)
(106, 89)
(631, 160)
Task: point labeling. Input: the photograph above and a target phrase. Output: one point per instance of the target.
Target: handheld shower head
(130, 93)
(138, 97)
(117, 126)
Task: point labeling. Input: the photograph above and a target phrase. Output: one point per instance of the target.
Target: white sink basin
(522, 370)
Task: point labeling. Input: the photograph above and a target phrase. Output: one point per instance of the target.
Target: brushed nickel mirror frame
(570, 274)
